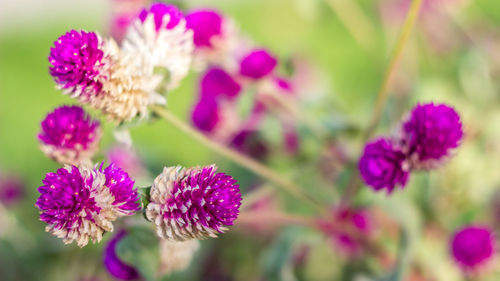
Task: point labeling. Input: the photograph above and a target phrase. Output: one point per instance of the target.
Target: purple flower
(205, 115)
(430, 133)
(472, 246)
(78, 63)
(159, 11)
(193, 203)
(69, 135)
(217, 82)
(205, 25)
(257, 64)
(116, 267)
(11, 190)
(250, 143)
(382, 165)
(80, 203)
(128, 160)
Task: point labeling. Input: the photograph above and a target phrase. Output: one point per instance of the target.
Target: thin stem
(273, 218)
(238, 157)
(383, 92)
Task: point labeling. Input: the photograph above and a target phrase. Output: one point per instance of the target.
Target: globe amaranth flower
(431, 132)
(115, 266)
(80, 203)
(193, 203)
(257, 64)
(472, 246)
(69, 135)
(159, 42)
(176, 255)
(78, 63)
(159, 11)
(206, 24)
(205, 115)
(382, 165)
(218, 83)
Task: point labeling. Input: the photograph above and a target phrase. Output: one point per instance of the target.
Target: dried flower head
(382, 165)
(176, 255)
(193, 203)
(472, 246)
(257, 64)
(69, 135)
(431, 133)
(115, 266)
(78, 63)
(80, 203)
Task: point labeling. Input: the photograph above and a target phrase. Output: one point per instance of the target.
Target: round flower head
(159, 10)
(80, 203)
(382, 165)
(193, 203)
(431, 133)
(257, 64)
(69, 135)
(206, 24)
(115, 266)
(78, 63)
(217, 82)
(472, 246)
(176, 255)
(159, 40)
(205, 115)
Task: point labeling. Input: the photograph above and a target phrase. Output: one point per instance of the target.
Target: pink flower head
(69, 135)
(206, 24)
(382, 165)
(472, 246)
(257, 64)
(217, 82)
(205, 115)
(115, 266)
(78, 63)
(159, 11)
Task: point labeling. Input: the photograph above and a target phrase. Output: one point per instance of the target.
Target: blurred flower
(116, 267)
(217, 82)
(162, 13)
(472, 246)
(69, 135)
(382, 165)
(123, 13)
(257, 64)
(176, 255)
(11, 190)
(206, 24)
(250, 143)
(128, 160)
(193, 203)
(430, 134)
(78, 63)
(80, 203)
(205, 115)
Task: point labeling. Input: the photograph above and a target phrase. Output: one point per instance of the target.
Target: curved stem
(238, 158)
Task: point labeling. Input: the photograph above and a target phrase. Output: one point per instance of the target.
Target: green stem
(238, 158)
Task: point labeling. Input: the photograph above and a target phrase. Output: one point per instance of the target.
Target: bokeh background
(453, 56)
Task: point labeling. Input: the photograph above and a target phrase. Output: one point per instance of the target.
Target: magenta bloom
(193, 203)
(382, 165)
(217, 82)
(205, 25)
(81, 203)
(78, 62)
(249, 142)
(472, 246)
(205, 115)
(11, 190)
(159, 10)
(69, 135)
(431, 132)
(115, 266)
(257, 64)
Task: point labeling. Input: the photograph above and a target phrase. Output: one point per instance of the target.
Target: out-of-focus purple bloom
(115, 266)
(11, 190)
(284, 84)
(193, 203)
(69, 135)
(78, 63)
(205, 115)
(123, 13)
(81, 203)
(290, 139)
(472, 246)
(159, 11)
(217, 82)
(431, 133)
(382, 165)
(206, 24)
(249, 142)
(127, 159)
(257, 64)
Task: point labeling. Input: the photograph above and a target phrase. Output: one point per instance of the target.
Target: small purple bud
(257, 64)
(159, 10)
(205, 115)
(472, 246)
(217, 82)
(11, 190)
(206, 24)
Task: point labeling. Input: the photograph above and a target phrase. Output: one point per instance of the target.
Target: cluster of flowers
(80, 201)
(426, 139)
